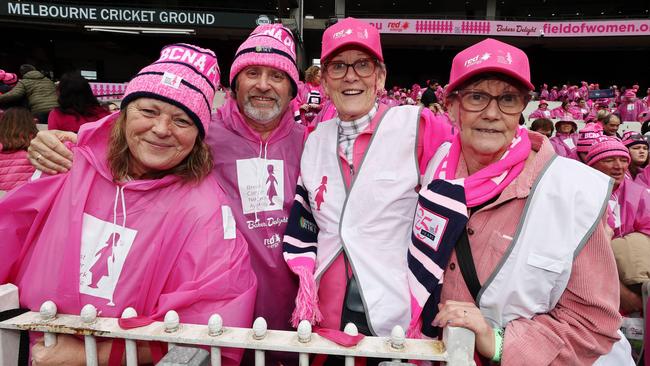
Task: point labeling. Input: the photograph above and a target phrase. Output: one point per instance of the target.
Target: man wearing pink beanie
(629, 215)
(586, 137)
(256, 147)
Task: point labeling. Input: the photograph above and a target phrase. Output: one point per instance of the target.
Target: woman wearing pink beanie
(637, 145)
(138, 221)
(586, 137)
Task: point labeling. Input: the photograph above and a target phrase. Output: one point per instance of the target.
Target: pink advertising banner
(640, 27)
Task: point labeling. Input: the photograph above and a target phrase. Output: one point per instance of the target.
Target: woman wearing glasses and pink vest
(350, 229)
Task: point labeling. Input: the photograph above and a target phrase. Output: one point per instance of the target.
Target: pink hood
(634, 206)
(154, 245)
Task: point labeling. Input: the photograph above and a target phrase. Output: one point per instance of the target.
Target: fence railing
(456, 348)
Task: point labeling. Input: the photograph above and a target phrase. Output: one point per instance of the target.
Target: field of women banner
(518, 29)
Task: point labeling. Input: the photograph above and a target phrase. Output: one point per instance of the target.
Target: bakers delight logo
(398, 26)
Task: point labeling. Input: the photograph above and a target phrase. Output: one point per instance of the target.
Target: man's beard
(262, 116)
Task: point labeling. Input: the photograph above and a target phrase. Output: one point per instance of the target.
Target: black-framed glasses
(477, 101)
(363, 67)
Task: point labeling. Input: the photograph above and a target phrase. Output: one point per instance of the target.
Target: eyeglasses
(363, 67)
(476, 101)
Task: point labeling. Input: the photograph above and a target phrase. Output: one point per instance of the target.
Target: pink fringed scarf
(491, 180)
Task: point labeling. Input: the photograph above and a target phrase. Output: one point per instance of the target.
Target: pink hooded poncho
(155, 245)
(629, 209)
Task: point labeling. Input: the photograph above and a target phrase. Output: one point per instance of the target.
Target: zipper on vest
(351, 170)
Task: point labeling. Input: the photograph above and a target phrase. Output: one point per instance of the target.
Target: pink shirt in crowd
(59, 120)
(15, 169)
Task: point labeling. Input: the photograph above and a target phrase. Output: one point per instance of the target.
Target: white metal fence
(456, 348)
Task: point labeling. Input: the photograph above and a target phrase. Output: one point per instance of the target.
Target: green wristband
(498, 344)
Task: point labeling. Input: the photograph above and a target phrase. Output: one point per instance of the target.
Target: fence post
(259, 332)
(350, 329)
(304, 336)
(215, 328)
(459, 343)
(48, 312)
(172, 324)
(9, 339)
(88, 316)
(397, 339)
(130, 345)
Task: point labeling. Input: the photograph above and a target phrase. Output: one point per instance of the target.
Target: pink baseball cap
(486, 56)
(184, 76)
(542, 101)
(2, 75)
(351, 32)
(269, 45)
(605, 147)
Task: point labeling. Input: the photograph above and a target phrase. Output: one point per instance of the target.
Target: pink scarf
(491, 180)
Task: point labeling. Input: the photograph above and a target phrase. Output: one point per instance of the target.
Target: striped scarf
(441, 217)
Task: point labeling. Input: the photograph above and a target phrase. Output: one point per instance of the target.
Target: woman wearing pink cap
(565, 140)
(371, 156)
(628, 214)
(531, 272)
(138, 221)
(542, 111)
(586, 138)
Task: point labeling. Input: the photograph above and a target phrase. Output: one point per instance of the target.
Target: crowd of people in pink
(332, 199)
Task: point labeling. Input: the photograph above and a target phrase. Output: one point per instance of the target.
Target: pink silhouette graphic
(271, 192)
(320, 192)
(100, 268)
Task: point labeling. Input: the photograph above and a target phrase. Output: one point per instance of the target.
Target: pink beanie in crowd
(588, 135)
(351, 32)
(269, 45)
(605, 147)
(489, 55)
(631, 138)
(184, 76)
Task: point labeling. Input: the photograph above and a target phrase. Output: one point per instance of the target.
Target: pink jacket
(434, 130)
(643, 177)
(15, 169)
(583, 324)
(154, 245)
(253, 173)
(634, 208)
(559, 113)
(540, 113)
(564, 148)
(630, 111)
